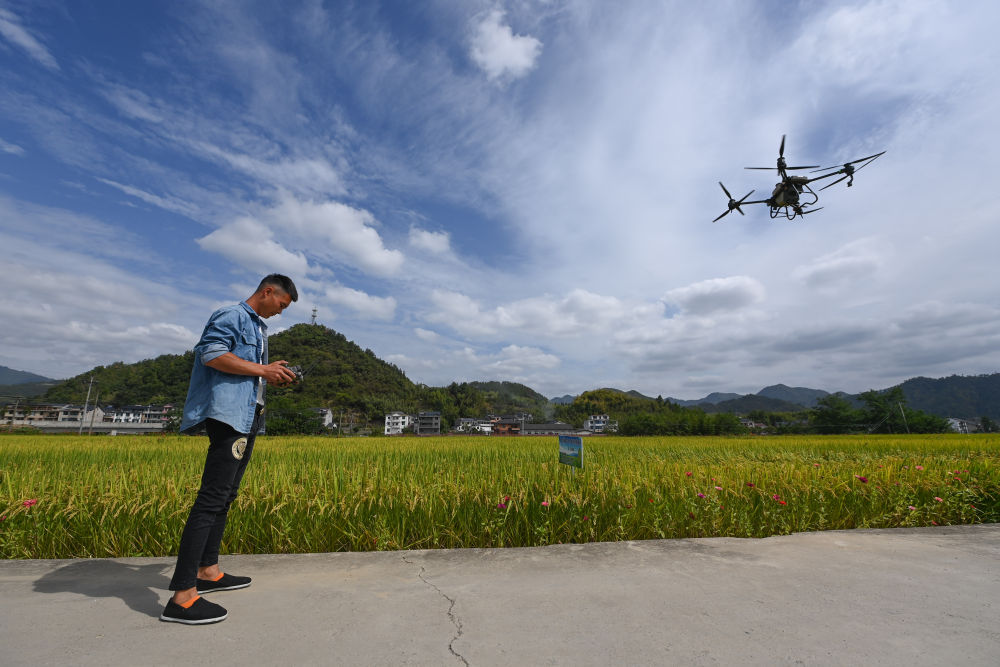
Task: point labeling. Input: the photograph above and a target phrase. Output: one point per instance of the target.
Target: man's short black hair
(284, 283)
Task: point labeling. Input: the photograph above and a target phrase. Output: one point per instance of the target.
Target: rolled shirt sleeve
(220, 335)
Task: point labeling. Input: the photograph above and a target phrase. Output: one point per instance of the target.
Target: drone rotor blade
(867, 160)
(862, 159)
(761, 168)
(745, 197)
(832, 184)
(870, 159)
(725, 190)
(721, 216)
(781, 150)
(812, 166)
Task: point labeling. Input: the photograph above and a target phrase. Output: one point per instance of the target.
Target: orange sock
(187, 605)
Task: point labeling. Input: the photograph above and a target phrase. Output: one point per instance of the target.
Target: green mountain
(965, 397)
(751, 403)
(24, 390)
(338, 375)
(799, 395)
(640, 415)
(507, 398)
(9, 376)
(162, 380)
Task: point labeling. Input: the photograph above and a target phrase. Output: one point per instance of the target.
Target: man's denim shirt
(225, 397)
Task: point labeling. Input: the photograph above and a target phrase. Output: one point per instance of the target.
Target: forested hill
(151, 381)
(967, 397)
(11, 376)
(338, 374)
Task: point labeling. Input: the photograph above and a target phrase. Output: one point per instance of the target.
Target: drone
(792, 195)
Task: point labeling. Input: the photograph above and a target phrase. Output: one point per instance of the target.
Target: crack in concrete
(451, 613)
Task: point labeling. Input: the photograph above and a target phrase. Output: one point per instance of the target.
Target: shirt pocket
(247, 347)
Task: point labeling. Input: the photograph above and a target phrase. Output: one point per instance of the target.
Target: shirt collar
(253, 314)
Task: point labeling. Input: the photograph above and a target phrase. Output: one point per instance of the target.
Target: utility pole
(85, 402)
(93, 413)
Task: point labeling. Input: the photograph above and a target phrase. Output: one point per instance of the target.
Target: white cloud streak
(15, 33)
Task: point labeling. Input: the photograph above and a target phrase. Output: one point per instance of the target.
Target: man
(226, 397)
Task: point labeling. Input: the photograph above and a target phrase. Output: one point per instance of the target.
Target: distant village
(137, 419)
(113, 420)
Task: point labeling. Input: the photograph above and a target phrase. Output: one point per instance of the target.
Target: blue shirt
(214, 394)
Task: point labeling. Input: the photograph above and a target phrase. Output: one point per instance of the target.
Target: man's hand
(275, 372)
(278, 373)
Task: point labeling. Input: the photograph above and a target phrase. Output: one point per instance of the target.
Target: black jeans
(228, 455)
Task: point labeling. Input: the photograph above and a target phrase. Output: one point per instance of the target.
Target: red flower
(782, 502)
(29, 503)
(863, 480)
(501, 506)
(689, 473)
(750, 484)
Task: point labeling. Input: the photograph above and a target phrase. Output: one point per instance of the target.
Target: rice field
(73, 497)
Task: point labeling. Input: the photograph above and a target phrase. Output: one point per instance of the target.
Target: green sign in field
(571, 450)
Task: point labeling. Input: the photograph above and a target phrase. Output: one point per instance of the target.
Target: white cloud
(83, 309)
(426, 334)
(517, 359)
(167, 203)
(304, 175)
(499, 52)
(333, 229)
(717, 294)
(438, 243)
(848, 264)
(373, 307)
(12, 149)
(579, 313)
(250, 244)
(15, 33)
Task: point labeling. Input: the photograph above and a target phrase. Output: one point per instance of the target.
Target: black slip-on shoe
(227, 582)
(199, 613)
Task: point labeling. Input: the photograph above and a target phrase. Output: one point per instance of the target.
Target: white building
(397, 422)
(599, 424)
(138, 414)
(325, 417)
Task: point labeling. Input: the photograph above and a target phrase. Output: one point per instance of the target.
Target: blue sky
(519, 191)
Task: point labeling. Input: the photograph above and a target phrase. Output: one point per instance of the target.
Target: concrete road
(888, 597)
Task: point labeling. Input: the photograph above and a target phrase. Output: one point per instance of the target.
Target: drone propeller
(733, 204)
(781, 167)
(867, 160)
(848, 170)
